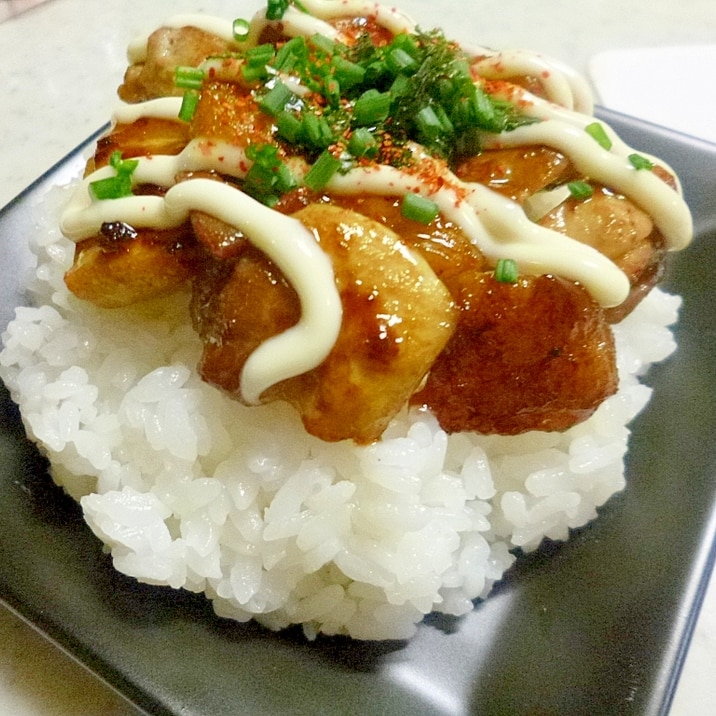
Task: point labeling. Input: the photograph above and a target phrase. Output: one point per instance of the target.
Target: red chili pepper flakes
(434, 174)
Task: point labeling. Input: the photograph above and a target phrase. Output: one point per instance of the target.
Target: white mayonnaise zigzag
(564, 130)
(283, 239)
(498, 226)
(160, 108)
(560, 83)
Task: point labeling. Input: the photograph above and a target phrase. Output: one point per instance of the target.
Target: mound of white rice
(190, 489)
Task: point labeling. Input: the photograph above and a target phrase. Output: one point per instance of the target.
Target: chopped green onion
(460, 113)
(419, 208)
(580, 189)
(323, 43)
(481, 109)
(276, 9)
(447, 90)
(252, 74)
(240, 29)
(406, 43)
(122, 166)
(347, 73)
(640, 162)
(371, 107)
(289, 127)
(597, 132)
(332, 91)
(188, 77)
(189, 103)
(375, 73)
(461, 72)
(322, 171)
(117, 186)
(362, 143)
(268, 177)
(445, 123)
(316, 131)
(506, 271)
(276, 99)
(401, 86)
(399, 61)
(257, 60)
(109, 188)
(418, 87)
(265, 154)
(429, 125)
(289, 54)
(285, 181)
(260, 55)
(259, 181)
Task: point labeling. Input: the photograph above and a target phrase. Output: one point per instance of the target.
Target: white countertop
(59, 64)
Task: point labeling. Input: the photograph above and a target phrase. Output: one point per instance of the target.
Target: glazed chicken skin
(397, 319)
(168, 48)
(529, 378)
(122, 266)
(606, 220)
(426, 319)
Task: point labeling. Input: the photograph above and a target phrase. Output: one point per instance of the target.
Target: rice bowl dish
(190, 488)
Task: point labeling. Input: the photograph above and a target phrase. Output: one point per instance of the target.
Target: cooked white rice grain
(190, 489)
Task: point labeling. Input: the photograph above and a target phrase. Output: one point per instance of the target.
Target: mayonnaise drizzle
(389, 17)
(496, 225)
(561, 84)
(297, 254)
(293, 24)
(283, 239)
(160, 108)
(500, 228)
(565, 131)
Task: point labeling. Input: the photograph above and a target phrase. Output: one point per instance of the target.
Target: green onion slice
(323, 43)
(276, 99)
(260, 55)
(119, 185)
(362, 143)
(372, 107)
(289, 127)
(580, 189)
(419, 208)
(640, 162)
(189, 103)
(322, 171)
(108, 188)
(407, 43)
(122, 166)
(268, 176)
(240, 29)
(290, 54)
(188, 77)
(597, 132)
(400, 62)
(276, 9)
(506, 271)
(347, 73)
(316, 131)
(428, 124)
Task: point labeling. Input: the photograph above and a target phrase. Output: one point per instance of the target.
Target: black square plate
(598, 625)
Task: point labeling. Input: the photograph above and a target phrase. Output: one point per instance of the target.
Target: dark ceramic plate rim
(131, 635)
